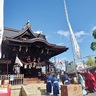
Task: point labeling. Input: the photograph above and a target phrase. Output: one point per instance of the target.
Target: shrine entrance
(32, 72)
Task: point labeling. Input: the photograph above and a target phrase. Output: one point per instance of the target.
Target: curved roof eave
(22, 32)
(33, 41)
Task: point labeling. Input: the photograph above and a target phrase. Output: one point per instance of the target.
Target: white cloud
(41, 32)
(60, 44)
(81, 33)
(93, 28)
(63, 33)
(77, 34)
(38, 32)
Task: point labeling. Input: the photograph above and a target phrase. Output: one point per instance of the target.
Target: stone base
(71, 90)
(34, 89)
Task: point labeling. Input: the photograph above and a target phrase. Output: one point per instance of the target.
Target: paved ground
(90, 94)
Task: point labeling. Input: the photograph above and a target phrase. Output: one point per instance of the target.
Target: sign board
(5, 91)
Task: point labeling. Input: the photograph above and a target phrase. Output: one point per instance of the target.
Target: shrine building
(32, 49)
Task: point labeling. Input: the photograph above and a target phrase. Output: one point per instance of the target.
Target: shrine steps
(35, 89)
(32, 80)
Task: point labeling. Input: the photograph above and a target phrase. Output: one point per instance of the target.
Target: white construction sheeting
(1, 23)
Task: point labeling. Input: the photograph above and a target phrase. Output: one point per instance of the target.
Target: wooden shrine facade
(31, 48)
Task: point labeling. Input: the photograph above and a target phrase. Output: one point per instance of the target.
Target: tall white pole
(1, 23)
(75, 47)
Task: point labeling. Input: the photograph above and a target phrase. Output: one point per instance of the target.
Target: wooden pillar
(7, 68)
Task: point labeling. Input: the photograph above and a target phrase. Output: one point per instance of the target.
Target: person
(48, 83)
(94, 73)
(55, 84)
(75, 81)
(39, 75)
(43, 76)
(58, 77)
(16, 68)
(82, 82)
(90, 81)
(65, 78)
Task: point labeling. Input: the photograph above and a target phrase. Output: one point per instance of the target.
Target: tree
(93, 44)
(90, 61)
(95, 59)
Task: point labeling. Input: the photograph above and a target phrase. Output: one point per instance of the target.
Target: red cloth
(94, 75)
(5, 93)
(90, 80)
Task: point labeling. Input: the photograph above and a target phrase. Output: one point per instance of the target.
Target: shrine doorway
(30, 73)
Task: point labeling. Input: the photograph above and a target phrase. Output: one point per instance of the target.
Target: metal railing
(14, 79)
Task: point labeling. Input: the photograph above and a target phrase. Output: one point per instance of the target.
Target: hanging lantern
(20, 48)
(47, 51)
(26, 49)
(42, 51)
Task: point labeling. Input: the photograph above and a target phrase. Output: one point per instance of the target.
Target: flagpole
(75, 46)
(66, 13)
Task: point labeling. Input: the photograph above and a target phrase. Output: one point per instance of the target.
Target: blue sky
(48, 17)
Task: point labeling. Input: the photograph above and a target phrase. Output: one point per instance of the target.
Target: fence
(14, 79)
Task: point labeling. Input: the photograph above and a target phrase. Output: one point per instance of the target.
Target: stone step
(32, 80)
(34, 89)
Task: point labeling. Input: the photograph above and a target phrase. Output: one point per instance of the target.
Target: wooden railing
(14, 79)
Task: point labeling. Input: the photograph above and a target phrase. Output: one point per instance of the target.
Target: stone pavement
(90, 94)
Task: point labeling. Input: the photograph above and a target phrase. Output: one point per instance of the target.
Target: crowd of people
(87, 81)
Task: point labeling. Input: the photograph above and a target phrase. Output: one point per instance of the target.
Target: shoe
(86, 94)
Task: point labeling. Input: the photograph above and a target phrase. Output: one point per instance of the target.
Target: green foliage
(95, 59)
(94, 34)
(90, 61)
(93, 44)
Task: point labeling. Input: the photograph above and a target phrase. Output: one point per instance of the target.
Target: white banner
(1, 22)
(17, 61)
(77, 54)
